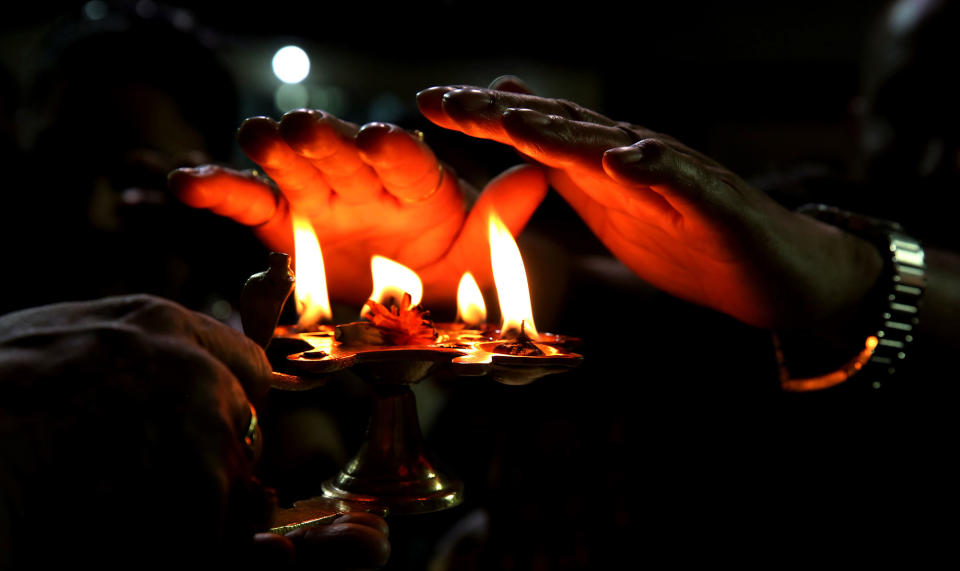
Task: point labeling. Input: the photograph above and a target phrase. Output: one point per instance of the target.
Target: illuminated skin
(89, 377)
(375, 189)
(677, 218)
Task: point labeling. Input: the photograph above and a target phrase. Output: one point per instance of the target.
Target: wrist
(850, 288)
(876, 324)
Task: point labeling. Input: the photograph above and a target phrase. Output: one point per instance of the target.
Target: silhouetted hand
(136, 412)
(355, 540)
(375, 189)
(677, 218)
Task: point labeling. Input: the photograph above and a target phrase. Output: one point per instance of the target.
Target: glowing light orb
(291, 64)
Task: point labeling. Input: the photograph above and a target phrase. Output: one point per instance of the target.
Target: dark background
(763, 87)
(687, 68)
(674, 426)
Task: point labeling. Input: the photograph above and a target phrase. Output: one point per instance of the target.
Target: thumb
(511, 83)
(514, 196)
(682, 179)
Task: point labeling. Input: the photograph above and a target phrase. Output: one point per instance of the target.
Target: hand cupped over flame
(397, 290)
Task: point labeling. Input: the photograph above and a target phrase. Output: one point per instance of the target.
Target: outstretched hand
(375, 189)
(677, 218)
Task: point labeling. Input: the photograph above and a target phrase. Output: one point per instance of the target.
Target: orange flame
(471, 309)
(391, 280)
(313, 303)
(511, 280)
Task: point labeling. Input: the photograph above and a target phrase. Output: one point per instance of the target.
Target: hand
(677, 218)
(355, 540)
(135, 412)
(367, 190)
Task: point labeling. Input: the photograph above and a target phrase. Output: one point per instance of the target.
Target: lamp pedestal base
(392, 471)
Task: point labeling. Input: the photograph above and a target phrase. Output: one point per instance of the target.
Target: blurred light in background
(387, 107)
(291, 96)
(146, 9)
(291, 64)
(221, 309)
(95, 9)
(330, 98)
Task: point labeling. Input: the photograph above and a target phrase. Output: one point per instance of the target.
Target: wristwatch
(898, 291)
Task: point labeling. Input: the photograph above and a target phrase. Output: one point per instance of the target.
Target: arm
(688, 225)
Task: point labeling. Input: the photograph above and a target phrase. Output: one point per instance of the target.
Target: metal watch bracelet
(900, 287)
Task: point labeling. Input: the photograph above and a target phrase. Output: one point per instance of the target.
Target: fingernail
(256, 131)
(625, 155)
(527, 117)
(647, 151)
(472, 100)
(297, 124)
(202, 170)
(301, 115)
(370, 138)
(182, 170)
(431, 92)
(378, 127)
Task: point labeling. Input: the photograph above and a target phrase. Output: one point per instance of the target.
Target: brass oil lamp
(393, 347)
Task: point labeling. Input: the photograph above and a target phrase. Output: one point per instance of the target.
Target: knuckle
(653, 148)
(572, 110)
(160, 305)
(109, 338)
(153, 312)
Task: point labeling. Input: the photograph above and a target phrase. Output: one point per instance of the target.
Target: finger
(244, 358)
(578, 148)
(683, 181)
(598, 203)
(560, 142)
(430, 103)
(514, 195)
(329, 144)
(478, 112)
(240, 196)
(367, 519)
(510, 83)
(341, 546)
(298, 179)
(407, 167)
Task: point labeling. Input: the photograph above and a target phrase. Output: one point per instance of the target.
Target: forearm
(911, 335)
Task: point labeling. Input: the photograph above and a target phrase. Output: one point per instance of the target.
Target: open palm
(376, 189)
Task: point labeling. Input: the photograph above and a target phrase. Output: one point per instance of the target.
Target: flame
(511, 280)
(471, 309)
(391, 280)
(313, 303)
